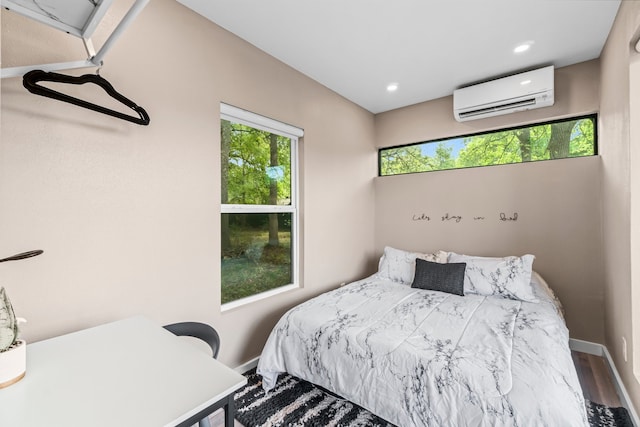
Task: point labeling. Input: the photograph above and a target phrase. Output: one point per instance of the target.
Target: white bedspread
(425, 358)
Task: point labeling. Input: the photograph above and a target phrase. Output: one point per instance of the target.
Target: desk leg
(230, 412)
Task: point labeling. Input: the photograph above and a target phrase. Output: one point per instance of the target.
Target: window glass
(258, 206)
(574, 137)
(258, 256)
(256, 166)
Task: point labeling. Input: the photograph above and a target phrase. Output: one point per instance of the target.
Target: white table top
(127, 373)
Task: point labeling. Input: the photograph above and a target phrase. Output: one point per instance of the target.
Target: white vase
(13, 364)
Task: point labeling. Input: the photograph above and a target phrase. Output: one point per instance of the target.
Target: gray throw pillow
(433, 276)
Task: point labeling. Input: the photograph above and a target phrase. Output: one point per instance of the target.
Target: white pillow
(544, 292)
(400, 266)
(542, 287)
(508, 277)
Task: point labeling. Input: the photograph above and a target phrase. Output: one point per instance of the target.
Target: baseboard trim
(247, 366)
(586, 347)
(601, 350)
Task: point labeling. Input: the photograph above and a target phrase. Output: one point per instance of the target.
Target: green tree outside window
(561, 139)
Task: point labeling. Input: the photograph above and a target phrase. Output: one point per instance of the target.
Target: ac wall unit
(518, 92)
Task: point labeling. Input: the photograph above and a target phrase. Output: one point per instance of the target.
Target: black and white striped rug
(604, 416)
(294, 402)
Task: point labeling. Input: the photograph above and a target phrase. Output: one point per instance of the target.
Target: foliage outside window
(258, 205)
(575, 137)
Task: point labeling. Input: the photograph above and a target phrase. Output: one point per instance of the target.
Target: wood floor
(596, 379)
(594, 375)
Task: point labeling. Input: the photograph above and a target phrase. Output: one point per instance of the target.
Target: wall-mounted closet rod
(92, 61)
(20, 71)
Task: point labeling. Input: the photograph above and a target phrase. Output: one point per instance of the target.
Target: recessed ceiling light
(392, 87)
(525, 82)
(523, 47)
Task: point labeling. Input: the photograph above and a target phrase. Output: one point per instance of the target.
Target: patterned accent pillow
(434, 276)
(399, 266)
(508, 277)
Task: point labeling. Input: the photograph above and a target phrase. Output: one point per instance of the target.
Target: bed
(497, 355)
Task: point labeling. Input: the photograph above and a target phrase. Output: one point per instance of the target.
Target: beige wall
(634, 173)
(128, 216)
(576, 92)
(622, 281)
(558, 202)
(558, 220)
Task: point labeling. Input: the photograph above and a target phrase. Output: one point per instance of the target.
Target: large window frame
(593, 117)
(247, 118)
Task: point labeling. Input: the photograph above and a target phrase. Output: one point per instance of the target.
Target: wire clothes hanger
(31, 79)
(23, 255)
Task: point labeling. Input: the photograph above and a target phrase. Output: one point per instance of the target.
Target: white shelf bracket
(135, 9)
(82, 27)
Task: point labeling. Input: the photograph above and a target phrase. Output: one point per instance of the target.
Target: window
(259, 207)
(560, 139)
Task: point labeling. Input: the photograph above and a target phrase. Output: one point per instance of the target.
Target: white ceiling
(429, 47)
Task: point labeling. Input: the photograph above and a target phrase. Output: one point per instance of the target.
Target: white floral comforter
(426, 358)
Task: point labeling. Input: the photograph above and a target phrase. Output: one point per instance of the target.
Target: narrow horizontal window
(575, 137)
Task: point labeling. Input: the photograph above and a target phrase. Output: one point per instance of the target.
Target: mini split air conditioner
(519, 92)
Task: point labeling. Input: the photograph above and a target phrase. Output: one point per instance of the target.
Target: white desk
(126, 373)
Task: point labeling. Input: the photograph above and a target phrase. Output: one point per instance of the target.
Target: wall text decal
(447, 217)
(504, 217)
